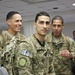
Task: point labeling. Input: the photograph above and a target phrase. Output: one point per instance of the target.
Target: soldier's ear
(35, 25)
(63, 26)
(8, 22)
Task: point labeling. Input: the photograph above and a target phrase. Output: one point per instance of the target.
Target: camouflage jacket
(33, 59)
(8, 44)
(62, 65)
(42, 58)
(22, 61)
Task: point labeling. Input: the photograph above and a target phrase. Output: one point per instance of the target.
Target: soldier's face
(15, 23)
(42, 25)
(57, 27)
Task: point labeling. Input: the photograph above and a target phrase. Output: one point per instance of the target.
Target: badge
(22, 62)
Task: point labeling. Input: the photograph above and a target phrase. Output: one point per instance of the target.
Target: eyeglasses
(42, 22)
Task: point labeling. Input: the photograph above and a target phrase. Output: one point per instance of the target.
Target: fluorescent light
(36, 0)
(73, 4)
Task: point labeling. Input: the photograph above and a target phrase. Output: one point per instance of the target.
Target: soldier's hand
(65, 53)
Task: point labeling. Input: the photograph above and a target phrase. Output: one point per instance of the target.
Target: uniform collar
(49, 37)
(40, 43)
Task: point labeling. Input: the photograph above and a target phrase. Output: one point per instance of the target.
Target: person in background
(10, 39)
(74, 35)
(62, 46)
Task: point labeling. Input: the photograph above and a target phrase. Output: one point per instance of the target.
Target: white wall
(68, 29)
(28, 28)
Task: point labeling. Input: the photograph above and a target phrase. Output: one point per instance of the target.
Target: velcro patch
(25, 52)
(22, 62)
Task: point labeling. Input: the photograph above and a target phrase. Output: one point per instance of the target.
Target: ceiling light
(36, 1)
(55, 8)
(73, 4)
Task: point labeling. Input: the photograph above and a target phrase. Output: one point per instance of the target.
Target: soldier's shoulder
(48, 37)
(20, 37)
(25, 45)
(1, 39)
(30, 38)
(67, 37)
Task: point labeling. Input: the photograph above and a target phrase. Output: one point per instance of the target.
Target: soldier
(62, 46)
(42, 55)
(9, 39)
(34, 55)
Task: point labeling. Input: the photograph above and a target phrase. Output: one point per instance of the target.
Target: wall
(28, 28)
(68, 29)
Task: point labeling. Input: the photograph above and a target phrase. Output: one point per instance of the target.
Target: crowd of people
(43, 53)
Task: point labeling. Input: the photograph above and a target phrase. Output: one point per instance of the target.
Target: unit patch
(22, 62)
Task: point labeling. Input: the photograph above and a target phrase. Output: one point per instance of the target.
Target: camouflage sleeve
(73, 50)
(71, 46)
(22, 62)
(1, 43)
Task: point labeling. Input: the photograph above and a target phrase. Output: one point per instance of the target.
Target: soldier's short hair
(73, 31)
(42, 13)
(10, 14)
(58, 18)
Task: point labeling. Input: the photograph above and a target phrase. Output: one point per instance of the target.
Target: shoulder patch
(22, 62)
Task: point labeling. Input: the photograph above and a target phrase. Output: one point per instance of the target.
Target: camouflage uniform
(42, 58)
(62, 65)
(34, 59)
(8, 43)
(22, 61)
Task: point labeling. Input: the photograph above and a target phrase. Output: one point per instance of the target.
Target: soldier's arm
(1, 47)
(23, 57)
(71, 46)
(1, 43)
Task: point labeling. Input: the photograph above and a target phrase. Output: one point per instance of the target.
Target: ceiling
(29, 9)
